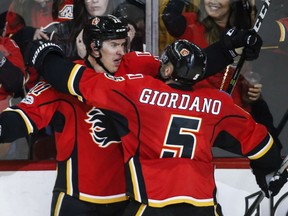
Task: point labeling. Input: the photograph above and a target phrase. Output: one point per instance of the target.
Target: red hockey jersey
(169, 133)
(139, 62)
(89, 156)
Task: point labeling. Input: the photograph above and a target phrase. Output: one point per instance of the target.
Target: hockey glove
(277, 182)
(242, 42)
(262, 180)
(36, 51)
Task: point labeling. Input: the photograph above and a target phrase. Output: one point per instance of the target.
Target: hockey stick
(240, 64)
(261, 195)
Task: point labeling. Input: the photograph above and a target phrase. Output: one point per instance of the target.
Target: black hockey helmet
(188, 60)
(101, 28)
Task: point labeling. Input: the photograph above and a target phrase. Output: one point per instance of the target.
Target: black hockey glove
(262, 180)
(277, 182)
(36, 51)
(242, 42)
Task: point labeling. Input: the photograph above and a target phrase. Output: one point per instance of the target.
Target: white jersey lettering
(180, 101)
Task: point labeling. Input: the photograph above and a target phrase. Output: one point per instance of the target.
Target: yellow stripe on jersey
(134, 180)
(169, 201)
(282, 31)
(58, 204)
(141, 210)
(215, 210)
(72, 79)
(69, 177)
(181, 199)
(103, 199)
(28, 124)
(264, 150)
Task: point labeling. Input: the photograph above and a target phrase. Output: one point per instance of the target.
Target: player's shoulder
(43, 93)
(138, 80)
(139, 62)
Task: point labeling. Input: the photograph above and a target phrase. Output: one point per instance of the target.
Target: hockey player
(167, 128)
(90, 170)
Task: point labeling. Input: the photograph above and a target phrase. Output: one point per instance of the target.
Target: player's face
(112, 52)
(218, 10)
(96, 7)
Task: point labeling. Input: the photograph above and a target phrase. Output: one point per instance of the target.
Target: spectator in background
(68, 34)
(83, 11)
(164, 36)
(37, 14)
(28, 20)
(205, 27)
(133, 13)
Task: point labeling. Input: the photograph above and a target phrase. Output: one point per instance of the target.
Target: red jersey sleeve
(33, 106)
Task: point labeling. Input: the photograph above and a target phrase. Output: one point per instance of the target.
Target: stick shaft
(240, 64)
